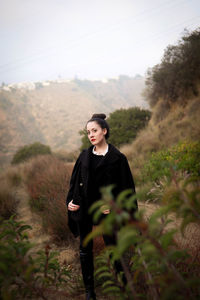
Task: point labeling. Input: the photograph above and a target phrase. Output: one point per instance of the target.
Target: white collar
(96, 153)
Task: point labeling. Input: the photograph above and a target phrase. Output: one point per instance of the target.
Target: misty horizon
(88, 39)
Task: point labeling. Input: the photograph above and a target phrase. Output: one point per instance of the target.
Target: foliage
(184, 156)
(126, 123)
(124, 126)
(10, 180)
(85, 143)
(158, 269)
(23, 275)
(8, 201)
(47, 181)
(178, 73)
(28, 151)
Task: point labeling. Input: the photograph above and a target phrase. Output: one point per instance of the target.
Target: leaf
(105, 275)
(167, 238)
(107, 283)
(112, 289)
(101, 269)
(96, 232)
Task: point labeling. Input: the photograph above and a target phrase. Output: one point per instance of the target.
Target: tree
(178, 74)
(124, 126)
(28, 151)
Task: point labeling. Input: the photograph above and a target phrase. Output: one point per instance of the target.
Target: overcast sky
(51, 39)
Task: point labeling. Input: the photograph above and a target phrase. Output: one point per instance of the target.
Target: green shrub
(158, 268)
(177, 76)
(27, 276)
(124, 126)
(184, 157)
(28, 151)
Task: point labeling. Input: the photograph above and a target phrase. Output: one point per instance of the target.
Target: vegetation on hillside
(47, 181)
(159, 252)
(28, 151)
(157, 267)
(24, 276)
(177, 76)
(54, 113)
(124, 126)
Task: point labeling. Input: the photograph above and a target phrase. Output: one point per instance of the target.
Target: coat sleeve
(71, 222)
(73, 181)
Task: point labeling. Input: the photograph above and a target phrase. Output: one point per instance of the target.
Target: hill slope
(54, 112)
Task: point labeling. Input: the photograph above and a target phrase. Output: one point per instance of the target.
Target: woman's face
(96, 134)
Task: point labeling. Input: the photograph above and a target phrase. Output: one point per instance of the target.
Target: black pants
(86, 253)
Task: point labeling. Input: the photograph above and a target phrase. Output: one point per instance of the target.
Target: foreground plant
(24, 275)
(156, 268)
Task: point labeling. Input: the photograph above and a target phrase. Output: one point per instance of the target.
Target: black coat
(113, 169)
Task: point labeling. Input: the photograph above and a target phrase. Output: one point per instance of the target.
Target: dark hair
(100, 119)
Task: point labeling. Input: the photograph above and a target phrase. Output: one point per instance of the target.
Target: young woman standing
(98, 166)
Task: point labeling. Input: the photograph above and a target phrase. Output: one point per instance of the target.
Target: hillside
(54, 112)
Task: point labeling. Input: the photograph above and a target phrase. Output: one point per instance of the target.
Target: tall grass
(47, 180)
(10, 180)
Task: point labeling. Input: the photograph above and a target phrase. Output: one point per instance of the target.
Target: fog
(93, 39)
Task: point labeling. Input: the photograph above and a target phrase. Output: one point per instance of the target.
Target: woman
(98, 166)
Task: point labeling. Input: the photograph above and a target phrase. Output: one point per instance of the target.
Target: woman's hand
(105, 210)
(73, 207)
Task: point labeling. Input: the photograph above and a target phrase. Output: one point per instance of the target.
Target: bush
(28, 151)
(8, 201)
(24, 276)
(10, 180)
(184, 157)
(124, 126)
(177, 76)
(47, 180)
(158, 268)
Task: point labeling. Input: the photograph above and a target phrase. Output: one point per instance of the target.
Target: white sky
(47, 39)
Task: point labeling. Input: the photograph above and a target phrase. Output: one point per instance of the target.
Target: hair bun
(99, 116)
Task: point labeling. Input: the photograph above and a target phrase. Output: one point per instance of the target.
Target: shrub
(177, 76)
(47, 180)
(24, 276)
(124, 126)
(8, 200)
(28, 151)
(157, 269)
(11, 180)
(185, 157)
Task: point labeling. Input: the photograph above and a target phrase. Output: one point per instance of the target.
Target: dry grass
(188, 240)
(47, 180)
(10, 180)
(66, 156)
(181, 123)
